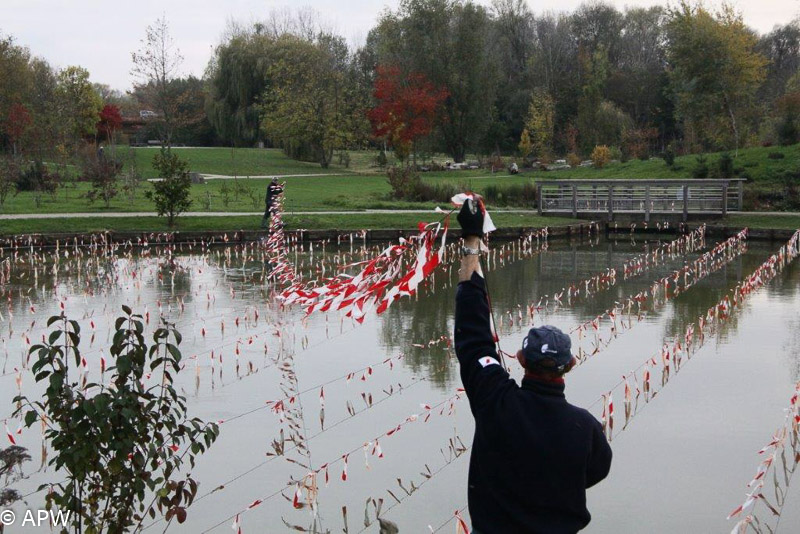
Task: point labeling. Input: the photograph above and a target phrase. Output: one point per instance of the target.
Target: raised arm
(481, 372)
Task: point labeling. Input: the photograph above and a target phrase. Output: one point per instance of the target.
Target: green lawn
(357, 191)
(371, 221)
(228, 161)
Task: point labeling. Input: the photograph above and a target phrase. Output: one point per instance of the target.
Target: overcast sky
(101, 35)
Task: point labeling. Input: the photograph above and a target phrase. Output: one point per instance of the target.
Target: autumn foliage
(19, 119)
(406, 110)
(110, 121)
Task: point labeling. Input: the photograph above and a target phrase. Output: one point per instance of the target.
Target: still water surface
(680, 466)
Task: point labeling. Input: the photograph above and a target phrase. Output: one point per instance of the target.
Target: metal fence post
(647, 203)
(725, 199)
(610, 203)
(685, 202)
(539, 197)
(740, 207)
(574, 201)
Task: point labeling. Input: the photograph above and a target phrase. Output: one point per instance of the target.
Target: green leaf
(30, 418)
(126, 310)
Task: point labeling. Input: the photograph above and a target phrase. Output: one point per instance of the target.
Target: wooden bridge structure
(673, 197)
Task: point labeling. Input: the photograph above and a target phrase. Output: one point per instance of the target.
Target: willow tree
(236, 78)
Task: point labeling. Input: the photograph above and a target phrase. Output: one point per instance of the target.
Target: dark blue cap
(547, 343)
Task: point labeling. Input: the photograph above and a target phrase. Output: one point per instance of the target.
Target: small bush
(404, 181)
(513, 195)
(573, 160)
(616, 154)
(38, 178)
(381, 159)
(700, 169)
(725, 165)
(669, 157)
(776, 155)
(171, 194)
(601, 155)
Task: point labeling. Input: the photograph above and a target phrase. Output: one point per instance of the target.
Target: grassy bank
(372, 221)
(768, 222)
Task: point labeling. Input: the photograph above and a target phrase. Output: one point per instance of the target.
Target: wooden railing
(647, 197)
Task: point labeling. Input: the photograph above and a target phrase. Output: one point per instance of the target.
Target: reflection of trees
(411, 321)
(687, 307)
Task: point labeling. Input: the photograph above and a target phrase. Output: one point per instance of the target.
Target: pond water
(680, 465)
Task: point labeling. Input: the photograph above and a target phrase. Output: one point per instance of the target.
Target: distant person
(274, 190)
(534, 454)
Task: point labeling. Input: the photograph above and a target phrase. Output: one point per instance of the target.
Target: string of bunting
(774, 454)
(660, 291)
(673, 355)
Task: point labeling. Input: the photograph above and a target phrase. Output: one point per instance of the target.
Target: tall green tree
(15, 78)
(781, 47)
(715, 71)
(307, 108)
(513, 44)
(79, 103)
(540, 123)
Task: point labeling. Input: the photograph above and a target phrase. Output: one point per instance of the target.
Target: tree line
(642, 81)
(440, 76)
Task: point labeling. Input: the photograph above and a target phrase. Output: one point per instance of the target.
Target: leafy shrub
(116, 442)
(700, 169)
(776, 155)
(601, 155)
(513, 195)
(439, 192)
(573, 160)
(616, 154)
(38, 178)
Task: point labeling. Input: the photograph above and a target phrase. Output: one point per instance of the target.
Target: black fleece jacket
(534, 454)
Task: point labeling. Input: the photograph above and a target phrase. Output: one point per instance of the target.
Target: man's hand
(471, 217)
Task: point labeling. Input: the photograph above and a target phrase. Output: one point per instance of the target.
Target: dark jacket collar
(543, 387)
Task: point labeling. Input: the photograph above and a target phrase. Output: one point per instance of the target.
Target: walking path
(104, 215)
(109, 215)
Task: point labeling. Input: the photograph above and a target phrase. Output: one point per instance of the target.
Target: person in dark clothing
(274, 189)
(534, 454)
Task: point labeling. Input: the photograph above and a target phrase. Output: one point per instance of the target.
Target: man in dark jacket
(274, 189)
(534, 454)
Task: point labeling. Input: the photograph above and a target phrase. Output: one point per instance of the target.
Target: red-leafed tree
(406, 110)
(110, 121)
(17, 123)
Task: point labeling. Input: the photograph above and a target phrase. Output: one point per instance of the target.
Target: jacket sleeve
(600, 457)
(481, 372)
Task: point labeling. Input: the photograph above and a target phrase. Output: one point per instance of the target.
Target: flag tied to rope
(380, 282)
